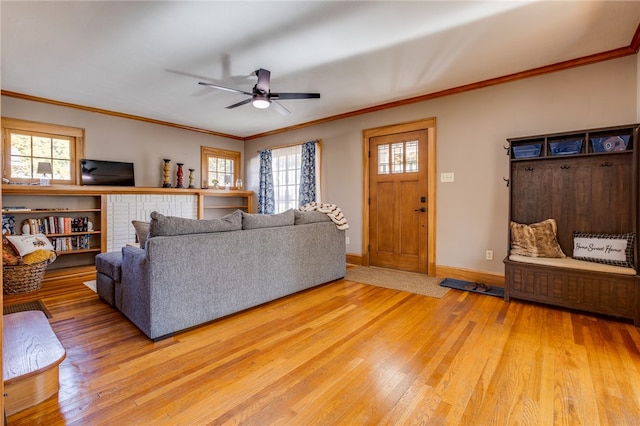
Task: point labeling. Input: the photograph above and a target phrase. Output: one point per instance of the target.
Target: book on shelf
(57, 225)
(76, 242)
(16, 209)
(8, 224)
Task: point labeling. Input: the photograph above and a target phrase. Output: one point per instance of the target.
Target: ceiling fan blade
(295, 95)
(228, 89)
(264, 78)
(280, 108)
(246, 101)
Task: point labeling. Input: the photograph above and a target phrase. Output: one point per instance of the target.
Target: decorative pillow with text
(610, 249)
(25, 244)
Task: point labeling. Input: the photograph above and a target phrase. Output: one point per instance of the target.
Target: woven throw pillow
(9, 255)
(536, 240)
(170, 225)
(610, 249)
(142, 231)
(255, 221)
(25, 244)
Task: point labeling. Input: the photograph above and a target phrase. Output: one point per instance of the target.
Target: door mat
(31, 305)
(397, 280)
(464, 285)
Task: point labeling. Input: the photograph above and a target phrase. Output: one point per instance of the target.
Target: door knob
(421, 209)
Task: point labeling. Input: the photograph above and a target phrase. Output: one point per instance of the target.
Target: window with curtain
(294, 175)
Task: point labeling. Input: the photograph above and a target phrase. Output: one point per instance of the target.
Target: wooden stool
(31, 355)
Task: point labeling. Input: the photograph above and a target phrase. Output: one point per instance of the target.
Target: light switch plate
(446, 177)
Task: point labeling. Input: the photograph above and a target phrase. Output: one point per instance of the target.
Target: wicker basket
(23, 278)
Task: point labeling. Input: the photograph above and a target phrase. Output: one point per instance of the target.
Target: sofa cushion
(255, 221)
(170, 225)
(610, 249)
(110, 264)
(535, 240)
(142, 231)
(312, 216)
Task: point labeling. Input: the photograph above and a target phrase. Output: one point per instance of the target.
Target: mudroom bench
(574, 195)
(574, 284)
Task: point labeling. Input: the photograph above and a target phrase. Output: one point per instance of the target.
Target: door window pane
(411, 154)
(383, 159)
(398, 157)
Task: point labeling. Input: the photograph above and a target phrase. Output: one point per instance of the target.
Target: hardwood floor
(344, 353)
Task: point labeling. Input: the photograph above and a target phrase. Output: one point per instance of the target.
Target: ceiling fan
(261, 97)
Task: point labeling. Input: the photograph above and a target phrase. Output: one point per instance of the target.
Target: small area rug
(397, 280)
(462, 285)
(31, 305)
(91, 285)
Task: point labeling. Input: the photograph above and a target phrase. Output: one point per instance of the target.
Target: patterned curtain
(266, 203)
(307, 188)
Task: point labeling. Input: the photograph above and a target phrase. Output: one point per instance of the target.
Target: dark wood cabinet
(587, 181)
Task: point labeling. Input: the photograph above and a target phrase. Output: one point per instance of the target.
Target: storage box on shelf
(587, 181)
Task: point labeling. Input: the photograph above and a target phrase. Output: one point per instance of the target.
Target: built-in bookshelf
(73, 223)
(216, 203)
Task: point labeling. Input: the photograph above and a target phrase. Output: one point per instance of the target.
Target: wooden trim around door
(428, 124)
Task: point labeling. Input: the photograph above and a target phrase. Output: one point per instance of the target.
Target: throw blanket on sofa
(331, 210)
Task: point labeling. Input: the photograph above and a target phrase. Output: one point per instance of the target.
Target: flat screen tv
(108, 173)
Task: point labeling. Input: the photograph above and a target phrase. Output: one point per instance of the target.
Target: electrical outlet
(346, 240)
(489, 255)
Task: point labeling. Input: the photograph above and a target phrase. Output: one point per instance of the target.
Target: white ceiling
(145, 58)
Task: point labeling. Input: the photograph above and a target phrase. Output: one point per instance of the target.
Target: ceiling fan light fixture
(261, 102)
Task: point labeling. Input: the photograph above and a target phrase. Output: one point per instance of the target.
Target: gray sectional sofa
(189, 272)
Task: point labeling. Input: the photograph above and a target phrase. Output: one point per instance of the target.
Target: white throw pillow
(25, 244)
(610, 249)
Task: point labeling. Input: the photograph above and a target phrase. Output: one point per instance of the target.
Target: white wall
(119, 139)
(472, 127)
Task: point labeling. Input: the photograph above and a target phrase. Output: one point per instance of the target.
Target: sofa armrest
(136, 295)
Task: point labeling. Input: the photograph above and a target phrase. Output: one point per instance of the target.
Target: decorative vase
(191, 178)
(238, 184)
(179, 174)
(166, 174)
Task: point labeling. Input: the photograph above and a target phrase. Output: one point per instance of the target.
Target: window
(286, 167)
(286, 177)
(31, 147)
(219, 165)
(404, 158)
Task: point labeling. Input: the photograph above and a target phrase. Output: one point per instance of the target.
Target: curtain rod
(287, 146)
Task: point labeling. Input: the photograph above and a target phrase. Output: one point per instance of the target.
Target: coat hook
(506, 180)
(507, 148)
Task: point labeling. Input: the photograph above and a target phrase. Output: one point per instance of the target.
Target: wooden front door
(398, 231)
